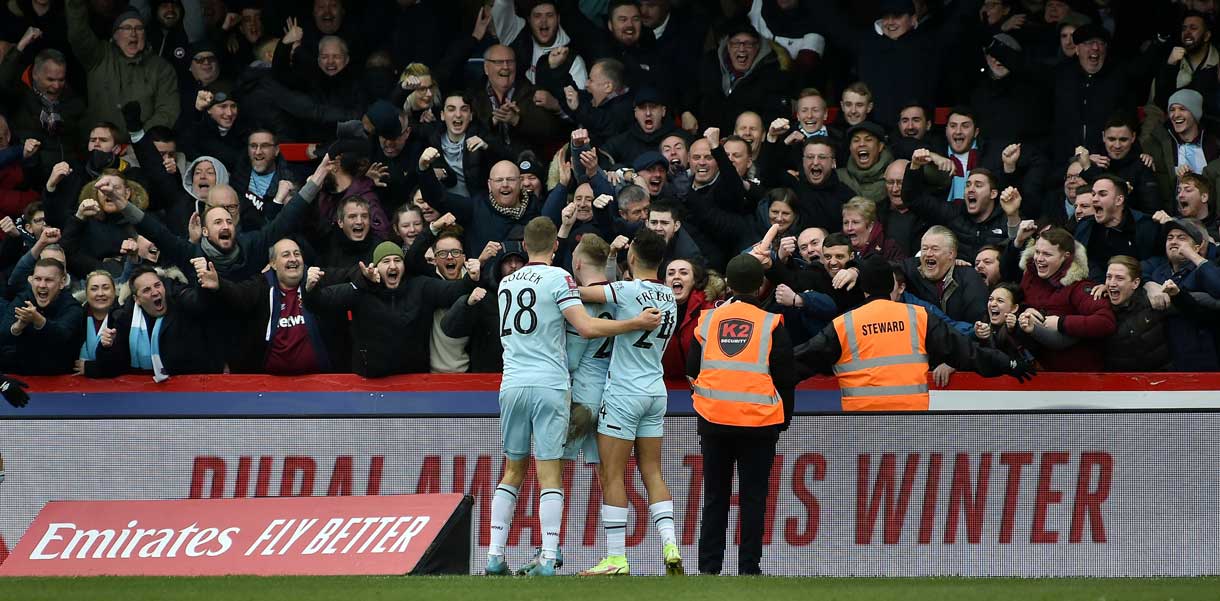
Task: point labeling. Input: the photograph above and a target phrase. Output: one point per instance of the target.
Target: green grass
(619, 589)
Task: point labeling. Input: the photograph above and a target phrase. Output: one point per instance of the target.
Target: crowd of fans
(1065, 209)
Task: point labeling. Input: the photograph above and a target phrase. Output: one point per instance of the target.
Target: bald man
(485, 217)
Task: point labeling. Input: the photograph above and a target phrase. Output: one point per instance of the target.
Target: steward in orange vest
(743, 381)
(881, 350)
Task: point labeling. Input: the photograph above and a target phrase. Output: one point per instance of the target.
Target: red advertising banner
(370, 535)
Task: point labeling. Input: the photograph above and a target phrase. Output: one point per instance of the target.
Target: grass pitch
(618, 589)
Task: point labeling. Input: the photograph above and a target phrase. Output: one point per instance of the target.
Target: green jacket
(115, 79)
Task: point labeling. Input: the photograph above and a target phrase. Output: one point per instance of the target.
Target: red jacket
(1066, 294)
(674, 360)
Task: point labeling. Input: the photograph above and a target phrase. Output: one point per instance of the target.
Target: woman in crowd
(865, 231)
(100, 294)
(687, 279)
(1059, 302)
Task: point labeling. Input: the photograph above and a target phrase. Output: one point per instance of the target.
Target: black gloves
(1022, 369)
(13, 392)
(131, 116)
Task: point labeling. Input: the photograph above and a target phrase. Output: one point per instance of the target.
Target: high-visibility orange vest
(884, 363)
(734, 387)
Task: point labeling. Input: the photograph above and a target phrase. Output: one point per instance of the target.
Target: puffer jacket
(1067, 295)
(1139, 343)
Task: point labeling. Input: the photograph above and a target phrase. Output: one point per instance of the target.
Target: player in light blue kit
(633, 405)
(588, 362)
(534, 302)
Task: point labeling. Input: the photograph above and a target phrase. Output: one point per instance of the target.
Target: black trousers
(753, 456)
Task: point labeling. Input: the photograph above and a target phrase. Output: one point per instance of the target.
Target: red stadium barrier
(491, 382)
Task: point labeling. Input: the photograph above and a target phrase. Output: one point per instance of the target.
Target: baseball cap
(384, 118)
(647, 95)
(867, 126)
(648, 159)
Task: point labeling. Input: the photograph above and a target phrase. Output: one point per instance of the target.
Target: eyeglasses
(505, 180)
(745, 45)
(502, 62)
(447, 254)
(131, 28)
(205, 60)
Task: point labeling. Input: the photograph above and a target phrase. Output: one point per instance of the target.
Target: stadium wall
(1109, 492)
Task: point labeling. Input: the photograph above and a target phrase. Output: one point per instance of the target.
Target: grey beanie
(1190, 100)
(130, 13)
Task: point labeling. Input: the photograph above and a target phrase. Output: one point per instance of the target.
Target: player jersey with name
(532, 326)
(589, 360)
(635, 361)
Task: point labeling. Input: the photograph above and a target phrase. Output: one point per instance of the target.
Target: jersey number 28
(525, 320)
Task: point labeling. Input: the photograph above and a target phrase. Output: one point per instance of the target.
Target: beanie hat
(745, 274)
(128, 14)
(386, 249)
(1190, 100)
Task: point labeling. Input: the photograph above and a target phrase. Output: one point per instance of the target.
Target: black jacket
(1140, 343)
(257, 210)
(966, 301)
(764, 89)
(971, 235)
(626, 146)
(1145, 195)
(818, 206)
(189, 342)
(475, 165)
(783, 375)
(390, 327)
(897, 71)
(249, 302)
(1137, 236)
(49, 351)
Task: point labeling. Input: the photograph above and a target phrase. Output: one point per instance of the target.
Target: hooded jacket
(1067, 294)
(115, 79)
(480, 323)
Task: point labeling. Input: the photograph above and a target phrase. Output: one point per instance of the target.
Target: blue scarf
(88, 350)
(143, 349)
